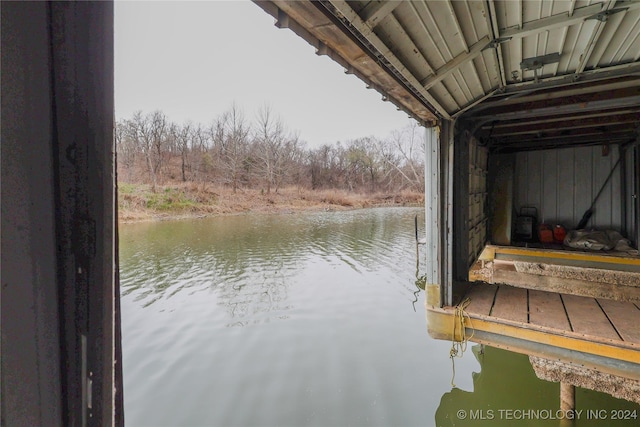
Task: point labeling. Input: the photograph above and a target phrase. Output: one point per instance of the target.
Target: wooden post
(567, 402)
(567, 396)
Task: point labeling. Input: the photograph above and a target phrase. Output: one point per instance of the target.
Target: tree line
(264, 154)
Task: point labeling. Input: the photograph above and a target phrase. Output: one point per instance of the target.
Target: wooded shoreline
(137, 202)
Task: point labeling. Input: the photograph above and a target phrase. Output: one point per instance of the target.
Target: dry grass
(136, 202)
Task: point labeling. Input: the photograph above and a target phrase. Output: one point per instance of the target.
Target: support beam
(433, 218)
(375, 12)
(455, 63)
(558, 124)
(364, 32)
(595, 35)
(614, 99)
(314, 23)
(552, 22)
(492, 24)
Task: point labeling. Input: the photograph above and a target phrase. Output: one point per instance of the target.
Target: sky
(194, 60)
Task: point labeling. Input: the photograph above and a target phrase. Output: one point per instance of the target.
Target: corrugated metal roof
(523, 74)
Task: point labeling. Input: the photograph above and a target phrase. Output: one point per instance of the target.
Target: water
(300, 320)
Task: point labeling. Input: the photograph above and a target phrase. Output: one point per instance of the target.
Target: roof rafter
(525, 128)
(373, 13)
(595, 35)
(493, 127)
(551, 22)
(455, 63)
(365, 31)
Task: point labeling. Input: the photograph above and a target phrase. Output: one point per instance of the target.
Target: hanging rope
(459, 347)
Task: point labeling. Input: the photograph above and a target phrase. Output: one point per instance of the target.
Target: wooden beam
(559, 125)
(569, 91)
(556, 118)
(611, 131)
(609, 99)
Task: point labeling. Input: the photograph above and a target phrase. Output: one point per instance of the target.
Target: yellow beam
(440, 326)
(562, 341)
(491, 252)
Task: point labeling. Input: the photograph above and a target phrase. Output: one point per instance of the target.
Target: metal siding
(636, 193)
(520, 195)
(477, 198)
(549, 182)
(433, 214)
(582, 184)
(629, 163)
(565, 164)
(534, 181)
(561, 184)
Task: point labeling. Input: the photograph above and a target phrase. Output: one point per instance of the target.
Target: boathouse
(532, 117)
(532, 114)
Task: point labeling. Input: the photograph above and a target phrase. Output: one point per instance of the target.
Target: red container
(559, 233)
(545, 233)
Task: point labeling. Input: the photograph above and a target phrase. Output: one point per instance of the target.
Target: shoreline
(137, 203)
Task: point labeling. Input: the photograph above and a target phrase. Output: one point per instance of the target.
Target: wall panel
(561, 185)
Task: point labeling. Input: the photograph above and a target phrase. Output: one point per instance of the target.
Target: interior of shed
(552, 190)
(556, 191)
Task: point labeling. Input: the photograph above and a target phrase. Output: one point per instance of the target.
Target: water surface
(299, 320)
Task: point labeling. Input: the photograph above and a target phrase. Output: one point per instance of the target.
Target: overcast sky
(193, 60)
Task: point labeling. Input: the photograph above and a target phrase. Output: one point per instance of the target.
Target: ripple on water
(282, 320)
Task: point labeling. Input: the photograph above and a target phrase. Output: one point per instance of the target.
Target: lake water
(308, 319)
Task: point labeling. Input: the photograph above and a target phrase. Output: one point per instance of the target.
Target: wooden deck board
(625, 316)
(481, 297)
(511, 304)
(550, 310)
(547, 309)
(587, 317)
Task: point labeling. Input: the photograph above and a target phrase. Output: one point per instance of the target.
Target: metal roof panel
(463, 58)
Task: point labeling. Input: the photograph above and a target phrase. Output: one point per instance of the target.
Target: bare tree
(231, 138)
(139, 128)
(233, 152)
(126, 148)
(159, 139)
(270, 139)
(182, 136)
(198, 153)
(364, 161)
(409, 144)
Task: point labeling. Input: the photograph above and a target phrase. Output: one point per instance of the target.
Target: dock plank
(586, 317)
(546, 309)
(481, 298)
(511, 304)
(625, 316)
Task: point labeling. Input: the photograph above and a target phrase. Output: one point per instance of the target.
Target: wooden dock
(597, 333)
(596, 318)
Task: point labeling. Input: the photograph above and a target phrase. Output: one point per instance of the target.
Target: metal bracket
(496, 42)
(538, 62)
(603, 16)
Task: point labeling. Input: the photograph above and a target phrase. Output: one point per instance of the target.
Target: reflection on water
(506, 392)
(312, 319)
